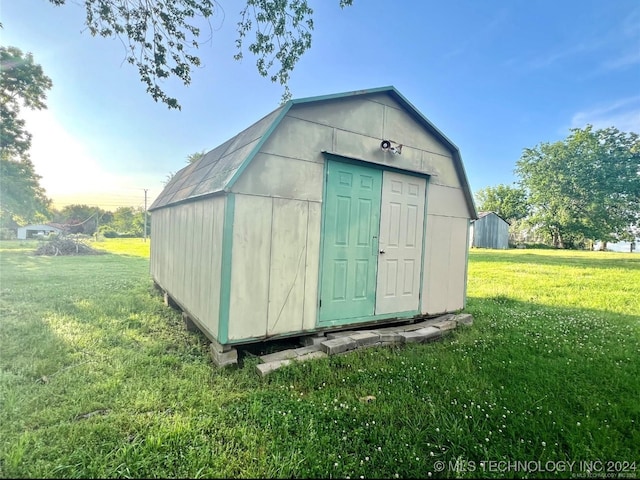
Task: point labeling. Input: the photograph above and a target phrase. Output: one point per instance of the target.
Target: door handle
(382, 252)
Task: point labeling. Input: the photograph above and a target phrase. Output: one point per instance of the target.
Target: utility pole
(145, 214)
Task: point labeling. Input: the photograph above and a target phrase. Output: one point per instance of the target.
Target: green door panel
(350, 241)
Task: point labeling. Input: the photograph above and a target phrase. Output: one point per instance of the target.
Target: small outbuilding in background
(490, 230)
(36, 231)
(329, 212)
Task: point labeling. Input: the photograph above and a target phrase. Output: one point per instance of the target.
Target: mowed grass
(99, 379)
(124, 246)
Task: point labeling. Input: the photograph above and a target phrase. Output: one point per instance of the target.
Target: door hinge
(320, 304)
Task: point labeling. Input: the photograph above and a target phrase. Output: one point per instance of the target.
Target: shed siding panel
(298, 138)
(445, 264)
(384, 99)
(313, 266)
(457, 264)
(187, 254)
(447, 201)
(355, 129)
(250, 267)
(436, 264)
(368, 148)
(282, 177)
(402, 128)
(442, 168)
(352, 114)
(287, 272)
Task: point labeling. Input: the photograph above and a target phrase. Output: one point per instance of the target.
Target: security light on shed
(386, 146)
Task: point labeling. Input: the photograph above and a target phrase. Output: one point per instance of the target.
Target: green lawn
(99, 379)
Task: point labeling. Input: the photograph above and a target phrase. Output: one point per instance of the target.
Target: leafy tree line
(123, 222)
(87, 220)
(583, 189)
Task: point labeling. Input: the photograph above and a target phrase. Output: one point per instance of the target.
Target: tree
(22, 84)
(162, 36)
(507, 201)
(22, 199)
(587, 185)
(128, 221)
(81, 218)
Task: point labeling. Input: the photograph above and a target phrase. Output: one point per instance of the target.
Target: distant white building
(31, 231)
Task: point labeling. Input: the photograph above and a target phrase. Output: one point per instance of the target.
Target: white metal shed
(490, 230)
(29, 231)
(346, 209)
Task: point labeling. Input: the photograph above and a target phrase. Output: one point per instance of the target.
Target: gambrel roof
(219, 169)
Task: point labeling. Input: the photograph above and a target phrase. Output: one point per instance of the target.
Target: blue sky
(495, 76)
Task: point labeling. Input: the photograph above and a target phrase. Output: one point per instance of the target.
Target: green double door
(372, 244)
(350, 242)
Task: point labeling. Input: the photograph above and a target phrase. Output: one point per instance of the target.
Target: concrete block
(188, 323)
(333, 335)
(464, 319)
(308, 349)
(365, 338)
(380, 331)
(446, 325)
(169, 302)
(411, 337)
(390, 337)
(313, 339)
(310, 356)
(422, 335)
(277, 356)
(222, 359)
(266, 368)
(219, 348)
(430, 333)
(338, 345)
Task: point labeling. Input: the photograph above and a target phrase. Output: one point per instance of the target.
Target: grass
(99, 379)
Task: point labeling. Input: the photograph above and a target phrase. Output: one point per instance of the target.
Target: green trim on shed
(258, 146)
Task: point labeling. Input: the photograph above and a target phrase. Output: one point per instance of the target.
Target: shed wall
(491, 231)
(23, 232)
(274, 266)
(446, 244)
(275, 237)
(278, 213)
(358, 132)
(193, 280)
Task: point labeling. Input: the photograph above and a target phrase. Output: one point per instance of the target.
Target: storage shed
(39, 230)
(333, 211)
(490, 230)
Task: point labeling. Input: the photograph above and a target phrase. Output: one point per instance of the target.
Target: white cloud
(623, 114)
(71, 174)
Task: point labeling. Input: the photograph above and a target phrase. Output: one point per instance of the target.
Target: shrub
(7, 234)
